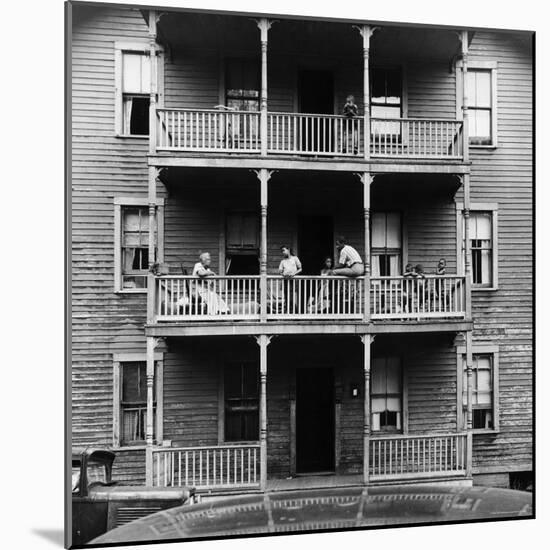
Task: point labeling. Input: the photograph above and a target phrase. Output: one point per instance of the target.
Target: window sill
(131, 291)
(472, 146)
(485, 432)
(125, 448)
(482, 288)
(132, 136)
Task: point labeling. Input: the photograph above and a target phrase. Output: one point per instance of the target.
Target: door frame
(312, 67)
(337, 403)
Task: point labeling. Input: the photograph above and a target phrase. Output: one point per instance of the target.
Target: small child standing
(351, 132)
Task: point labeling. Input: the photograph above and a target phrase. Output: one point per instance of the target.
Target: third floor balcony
(233, 86)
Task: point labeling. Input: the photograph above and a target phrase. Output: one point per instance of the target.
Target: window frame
(404, 400)
(492, 67)
(221, 404)
(491, 207)
(403, 235)
(119, 203)
(119, 359)
(141, 47)
(399, 137)
(493, 351)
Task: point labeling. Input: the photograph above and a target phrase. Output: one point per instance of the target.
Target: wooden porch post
(264, 25)
(366, 32)
(367, 180)
(465, 129)
(152, 192)
(263, 175)
(153, 81)
(469, 417)
(367, 340)
(149, 430)
(263, 341)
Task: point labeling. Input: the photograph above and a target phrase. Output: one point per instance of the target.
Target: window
(130, 399)
(132, 243)
(386, 99)
(386, 394)
(242, 84)
(241, 398)
(133, 87)
(481, 94)
(483, 251)
(484, 387)
(242, 243)
(386, 243)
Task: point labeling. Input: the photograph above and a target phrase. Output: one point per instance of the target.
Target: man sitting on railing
(214, 304)
(349, 260)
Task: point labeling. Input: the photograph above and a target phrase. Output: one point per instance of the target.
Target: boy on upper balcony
(351, 129)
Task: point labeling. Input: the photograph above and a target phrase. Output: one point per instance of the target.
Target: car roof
(322, 509)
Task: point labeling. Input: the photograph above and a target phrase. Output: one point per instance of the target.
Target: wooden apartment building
(199, 132)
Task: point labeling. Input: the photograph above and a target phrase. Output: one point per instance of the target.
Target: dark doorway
(314, 420)
(315, 242)
(316, 96)
(316, 92)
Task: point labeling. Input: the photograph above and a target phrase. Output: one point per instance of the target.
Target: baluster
(186, 468)
(234, 453)
(255, 460)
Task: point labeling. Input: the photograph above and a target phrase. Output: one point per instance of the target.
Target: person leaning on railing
(289, 267)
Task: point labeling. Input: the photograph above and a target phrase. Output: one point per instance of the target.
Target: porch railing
(208, 130)
(308, 134)
(413, 456)
(214, 130)
(229, 298)
(416, 137)
(315, 297)
(410, 298)
(212, 467)
(238, 298)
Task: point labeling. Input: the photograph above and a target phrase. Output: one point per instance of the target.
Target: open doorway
(316, 96)
(315, 242)
(314, 420)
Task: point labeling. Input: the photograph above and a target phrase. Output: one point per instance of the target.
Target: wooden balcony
(307, 135)
(238, 298)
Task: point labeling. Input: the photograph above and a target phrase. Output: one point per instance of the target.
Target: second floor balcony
(227, 131)
(328, 298)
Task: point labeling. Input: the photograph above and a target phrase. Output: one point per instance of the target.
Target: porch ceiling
(239, 33)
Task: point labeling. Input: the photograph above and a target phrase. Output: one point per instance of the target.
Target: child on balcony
(351, 131)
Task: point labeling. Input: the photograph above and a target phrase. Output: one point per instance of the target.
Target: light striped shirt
(349, 256)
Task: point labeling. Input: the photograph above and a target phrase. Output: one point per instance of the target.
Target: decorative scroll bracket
(363, 177)
(367, 338)
(264, 25)
(268, 338)
(259, 172)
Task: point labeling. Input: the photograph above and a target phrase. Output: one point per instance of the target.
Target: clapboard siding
(103, 167)
(504, 317)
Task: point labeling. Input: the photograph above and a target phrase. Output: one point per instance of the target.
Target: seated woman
(214, 304)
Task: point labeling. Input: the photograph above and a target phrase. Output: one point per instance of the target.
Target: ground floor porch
(333, 408)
